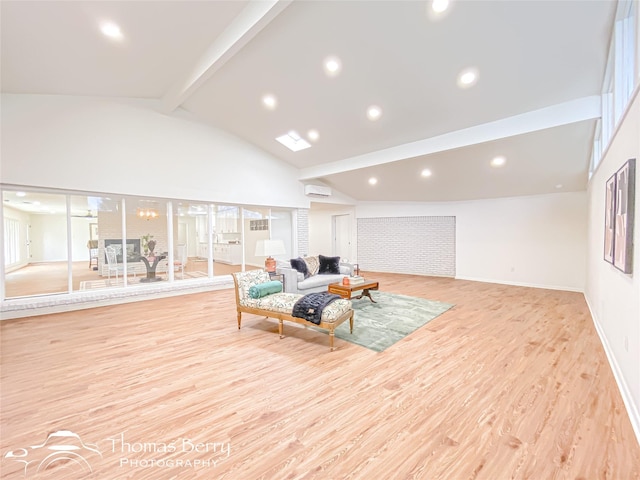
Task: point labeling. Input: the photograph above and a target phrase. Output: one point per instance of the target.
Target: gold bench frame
(348, 315)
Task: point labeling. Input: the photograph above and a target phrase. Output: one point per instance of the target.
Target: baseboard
(632, 410)
(522, 284)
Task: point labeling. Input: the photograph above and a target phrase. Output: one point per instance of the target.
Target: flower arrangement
(146, 244)
(152, 245)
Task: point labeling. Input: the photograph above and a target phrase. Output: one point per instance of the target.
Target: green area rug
(379, 325)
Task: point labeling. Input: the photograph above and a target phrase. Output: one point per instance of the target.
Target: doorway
(341, 241)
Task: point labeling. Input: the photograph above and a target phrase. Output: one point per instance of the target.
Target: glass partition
(256, 230)
(190, 240)
(60, 243)
(147, 241)
(282, 228)
(35, 243)
(227, 240)
(94, 219)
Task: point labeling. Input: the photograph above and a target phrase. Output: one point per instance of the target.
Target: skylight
(293, 141)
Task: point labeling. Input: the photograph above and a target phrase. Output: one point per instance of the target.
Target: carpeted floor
(105, 283)
(379, 325)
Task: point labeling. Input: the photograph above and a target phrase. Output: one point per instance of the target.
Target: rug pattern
(378, 326)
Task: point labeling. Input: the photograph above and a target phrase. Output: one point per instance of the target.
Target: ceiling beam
(586, 108)
(250, 21)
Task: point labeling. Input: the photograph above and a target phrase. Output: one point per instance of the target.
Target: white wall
(48, 238)
(536, 240)
(23, 219)
(125, 146)
(321, 228)
(614, 298)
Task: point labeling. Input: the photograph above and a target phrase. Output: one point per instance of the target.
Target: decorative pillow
(300, 265)
(313, 264)
(263, 289)
(329, 265)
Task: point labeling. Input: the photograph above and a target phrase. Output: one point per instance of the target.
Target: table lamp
(267, 248)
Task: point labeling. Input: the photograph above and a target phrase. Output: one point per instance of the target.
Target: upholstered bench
(280, 305)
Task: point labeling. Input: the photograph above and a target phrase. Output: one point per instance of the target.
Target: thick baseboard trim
(632, 410)
(522, 284)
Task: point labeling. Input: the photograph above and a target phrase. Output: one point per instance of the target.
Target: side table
(277, 276)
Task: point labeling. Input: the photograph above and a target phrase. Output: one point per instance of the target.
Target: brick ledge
(46, 304)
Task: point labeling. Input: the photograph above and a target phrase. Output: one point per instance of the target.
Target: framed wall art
(624, 216)
(609, 218)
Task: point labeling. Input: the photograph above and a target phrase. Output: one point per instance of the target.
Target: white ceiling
(541, 66)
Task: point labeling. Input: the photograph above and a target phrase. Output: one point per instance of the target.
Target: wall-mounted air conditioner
(317, 190)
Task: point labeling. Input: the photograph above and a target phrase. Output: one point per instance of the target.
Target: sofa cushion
(318, 281)
(301, 266)
(330, 265)
(313, 264)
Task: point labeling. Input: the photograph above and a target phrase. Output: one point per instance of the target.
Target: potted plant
(145, 243)
(152, 245)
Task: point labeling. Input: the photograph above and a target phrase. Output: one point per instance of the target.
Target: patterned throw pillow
(313, 264)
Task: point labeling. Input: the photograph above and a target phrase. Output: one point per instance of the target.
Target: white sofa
(294, 281)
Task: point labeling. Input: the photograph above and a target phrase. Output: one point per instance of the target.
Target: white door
(183, 235)
(342, 236)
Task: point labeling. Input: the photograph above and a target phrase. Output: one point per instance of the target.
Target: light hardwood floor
(510, 383)
(51, 277)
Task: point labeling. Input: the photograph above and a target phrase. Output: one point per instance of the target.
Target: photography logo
(62, 450)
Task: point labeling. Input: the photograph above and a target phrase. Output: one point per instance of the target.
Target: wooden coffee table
(345, 291)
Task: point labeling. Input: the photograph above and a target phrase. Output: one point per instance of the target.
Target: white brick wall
(412, 245)
(303, 231)
(110, 226)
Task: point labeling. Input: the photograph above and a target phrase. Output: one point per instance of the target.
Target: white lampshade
(268, 248)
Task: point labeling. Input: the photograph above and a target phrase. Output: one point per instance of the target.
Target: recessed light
(20, 194)
(270, 101)
(439, 6)
(374, 112)
(111, 30)
(438, 9)
(313, 135)
(373, 181)
(293, 141)
(559, 186)
(498, 161)
(332, 66)
(426, 172)
(468, 77)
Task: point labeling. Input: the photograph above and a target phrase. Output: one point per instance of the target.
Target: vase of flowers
(145, 244)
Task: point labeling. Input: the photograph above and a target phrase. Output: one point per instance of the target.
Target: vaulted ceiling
(540, 68)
